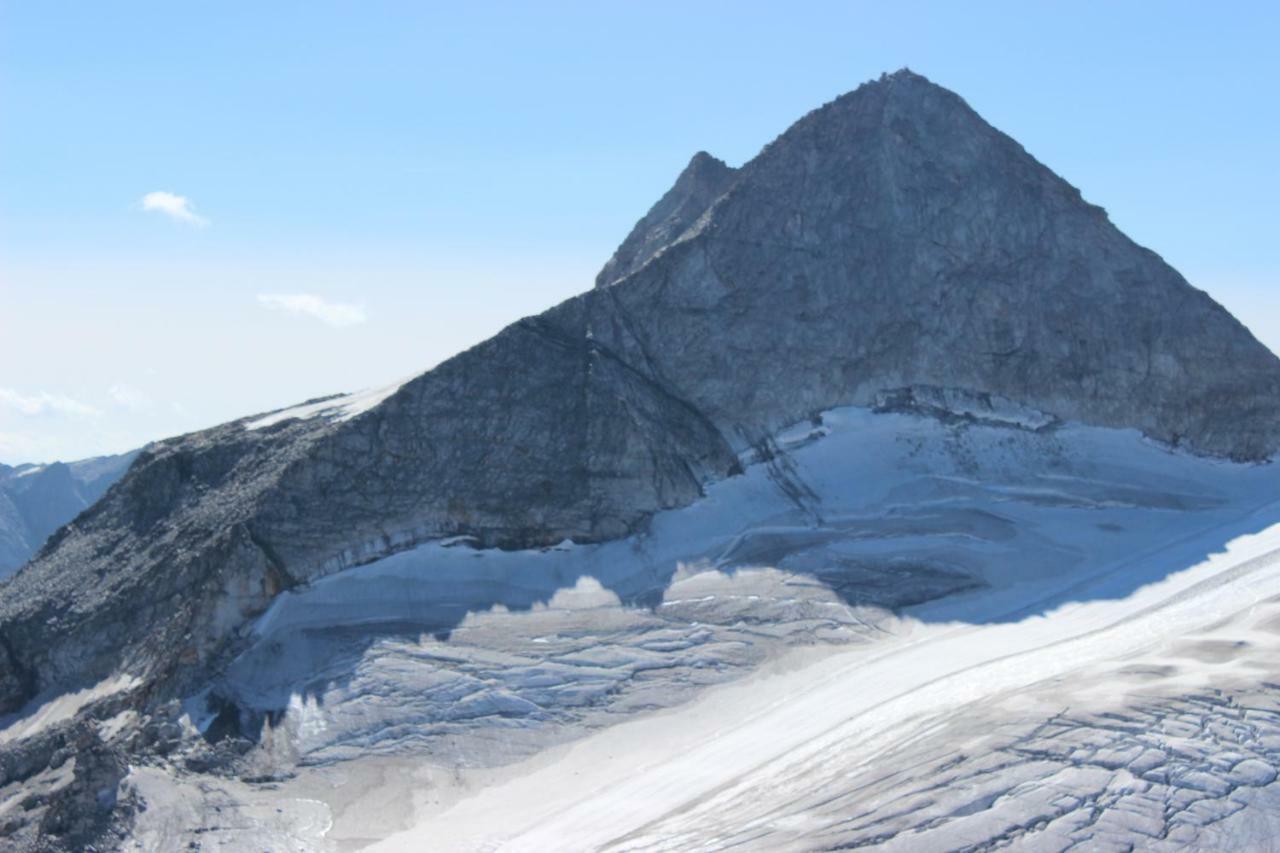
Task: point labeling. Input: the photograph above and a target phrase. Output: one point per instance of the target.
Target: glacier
(858, 504)
(756, 669)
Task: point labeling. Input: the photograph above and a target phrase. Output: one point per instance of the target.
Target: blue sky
(372, 187)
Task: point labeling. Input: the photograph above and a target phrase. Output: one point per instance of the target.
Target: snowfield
(890, 630)
(342, 407)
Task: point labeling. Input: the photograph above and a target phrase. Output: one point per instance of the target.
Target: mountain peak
(936, 250)
(697, 187)
(897, 99)
(703, 160)
(905, 75)
(903, 85)
(890, 242)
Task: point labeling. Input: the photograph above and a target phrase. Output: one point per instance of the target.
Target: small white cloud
(333, 313)
(42, 402)
(128, 397)
(174, 206)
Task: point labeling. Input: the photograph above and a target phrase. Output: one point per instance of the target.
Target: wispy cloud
(43, 402)
(174, 206)
(333, 313)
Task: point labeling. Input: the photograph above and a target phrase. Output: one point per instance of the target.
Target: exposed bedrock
(891, 239)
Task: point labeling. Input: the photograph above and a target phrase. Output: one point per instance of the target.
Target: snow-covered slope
(488, 697)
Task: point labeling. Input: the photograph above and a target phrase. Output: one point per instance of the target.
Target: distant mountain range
(35, 500)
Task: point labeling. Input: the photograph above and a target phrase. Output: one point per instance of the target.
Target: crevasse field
(890, 629)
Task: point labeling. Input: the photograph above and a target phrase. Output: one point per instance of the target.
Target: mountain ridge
(890, 239)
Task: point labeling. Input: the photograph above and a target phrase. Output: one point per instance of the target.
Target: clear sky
(209, 209)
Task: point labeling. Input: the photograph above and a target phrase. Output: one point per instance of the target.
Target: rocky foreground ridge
(889, 240)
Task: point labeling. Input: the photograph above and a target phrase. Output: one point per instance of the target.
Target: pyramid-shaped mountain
(889, 243)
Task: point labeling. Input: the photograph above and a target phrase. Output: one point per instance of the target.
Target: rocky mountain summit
(889, 246)
(703, 181)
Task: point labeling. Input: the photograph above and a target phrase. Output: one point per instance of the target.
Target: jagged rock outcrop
(889, 240)
(703, 181)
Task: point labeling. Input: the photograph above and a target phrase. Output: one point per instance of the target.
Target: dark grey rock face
(890, 240)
